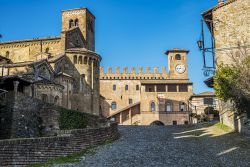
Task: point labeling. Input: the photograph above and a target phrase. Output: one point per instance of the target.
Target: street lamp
(200, 44)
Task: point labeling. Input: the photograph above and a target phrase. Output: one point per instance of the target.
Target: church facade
(61, 70)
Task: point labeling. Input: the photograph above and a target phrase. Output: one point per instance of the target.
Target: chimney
(220, 2)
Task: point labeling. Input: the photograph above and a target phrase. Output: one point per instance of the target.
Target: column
(130, 116)
(16, 83)
(120, 118)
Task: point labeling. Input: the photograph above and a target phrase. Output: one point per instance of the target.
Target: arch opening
(157, 123)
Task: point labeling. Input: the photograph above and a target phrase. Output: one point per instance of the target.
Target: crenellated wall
(134, 74)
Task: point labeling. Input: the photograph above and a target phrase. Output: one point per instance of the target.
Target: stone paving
(171, 146)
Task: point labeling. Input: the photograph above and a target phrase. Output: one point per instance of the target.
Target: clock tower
(177, 63)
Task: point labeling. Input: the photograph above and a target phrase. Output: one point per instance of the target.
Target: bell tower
(85, 20)
(177, 63)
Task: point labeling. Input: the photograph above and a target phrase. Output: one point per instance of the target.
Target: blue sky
(129, 33)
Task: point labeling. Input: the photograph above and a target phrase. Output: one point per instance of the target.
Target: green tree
(232, 82)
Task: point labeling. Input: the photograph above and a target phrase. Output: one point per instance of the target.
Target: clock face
(180, 68)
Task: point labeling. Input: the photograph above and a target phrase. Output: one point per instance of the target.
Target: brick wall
(22, 152)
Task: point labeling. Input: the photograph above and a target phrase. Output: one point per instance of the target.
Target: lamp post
(201, 45)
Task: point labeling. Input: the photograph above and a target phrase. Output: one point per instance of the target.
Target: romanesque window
(182, 106)
(168, 106)
(177, 57)
(7, 55)
(152, 105)
(113, 105)
(174, 122)
(71, 24)
(90, 61)
(56, 100)
(137, 87)
(80, 60)
(95, 63)
(85, 60)
(90, 26)
(76, 22)
(114, 87)
(126, 87)
(172, 88)
(47, 50)
(75, 59)
(44, 98)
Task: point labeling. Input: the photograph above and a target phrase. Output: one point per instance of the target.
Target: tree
(232, 81)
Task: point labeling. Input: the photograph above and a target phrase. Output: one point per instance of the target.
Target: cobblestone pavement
(171, 146)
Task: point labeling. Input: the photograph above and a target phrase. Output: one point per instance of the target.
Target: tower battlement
(134, 73)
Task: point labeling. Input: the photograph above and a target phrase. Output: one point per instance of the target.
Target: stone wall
(22, 152)
(231, 23)
(28, 50)
(24, 116)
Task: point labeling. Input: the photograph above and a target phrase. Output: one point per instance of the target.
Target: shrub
(70, 119)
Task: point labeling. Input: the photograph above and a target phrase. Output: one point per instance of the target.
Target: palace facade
(144, 98)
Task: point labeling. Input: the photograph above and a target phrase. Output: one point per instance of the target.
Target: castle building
(144, 98)
(61, 70)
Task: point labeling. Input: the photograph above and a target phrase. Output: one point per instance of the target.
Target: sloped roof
(176, 50)
(56, 57)
(203, 94)
(218, 6)
(123, 109)
(31, 40)
(5, 58)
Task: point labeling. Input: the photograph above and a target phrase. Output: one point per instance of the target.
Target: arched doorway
(157, 123)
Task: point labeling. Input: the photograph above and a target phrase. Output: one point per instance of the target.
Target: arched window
(75, 59)
(177, 57)
(44, 98)
(71, 23)
(182, 106)
(76, 22)
(80, 60)
(152, 105)
(93, 62)
(85, 60)
(113, 105)
(56, 100)
(47, 50)
(90, 60)
(7, 55)
(126, 87)
(114, 87)
(168, 106)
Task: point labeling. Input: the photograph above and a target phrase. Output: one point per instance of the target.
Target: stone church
(61, 70)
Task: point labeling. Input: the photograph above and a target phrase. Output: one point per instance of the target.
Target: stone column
(120, 118)
(15, 83)
(130, 116)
